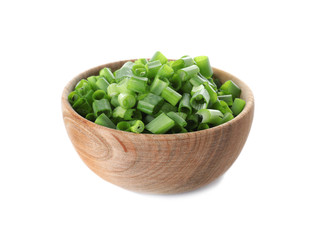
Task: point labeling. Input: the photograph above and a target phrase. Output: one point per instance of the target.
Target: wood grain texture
(165, 163)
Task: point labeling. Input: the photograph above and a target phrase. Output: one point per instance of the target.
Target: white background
(46, 190)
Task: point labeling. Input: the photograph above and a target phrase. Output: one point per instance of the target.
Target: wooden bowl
(164, 163)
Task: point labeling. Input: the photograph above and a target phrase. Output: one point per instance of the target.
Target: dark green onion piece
(159, 56)
(238, 106)
(102, 106)
(107, 74)
(112, 90)
(204, 65)
(165, 71)
(178, 64)
(176, 82)
(212, 93)
(105, 121)
(126, 100)
(229, 87)
(200, 99)
(137, 84)
(83, 83)
(73, 97)
(133, 114)
(123, 126)
(186, 87)
(82, 107)
(102, 84)
(91, 117)
(152, 68)
(182, 115)
(158, 86)
(188, 72)
(114, 100)
(210, 116)
(217, 82)
(88, 96)
(150, 104)
(166, 107)
(92, 82)
(124, 72)
(226, 98)
(148, 118)
(177, 119)
(202, 126)
(137, 126)
(192, 122)
(221, 106)
(184, 105)
(160, 125)
(99, 94)
(120, 112)
(178, 129)
(227, 117)
(171, 96)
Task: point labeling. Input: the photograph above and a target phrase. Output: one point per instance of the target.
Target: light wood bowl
(164, 163)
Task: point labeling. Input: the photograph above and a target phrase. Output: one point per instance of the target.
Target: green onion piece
(137, 126)
(184, 105)
(152, 68)
(83, 83)
(137, 84)
(196, 89)
(165, 71)
(238, 106)
(202, 126)
(200, 99)
(176, 82)
(102, 84)
(108, 75)
(73, 97)
(141, 60)
(186, 87)
(123, 86)
(178, 129)
(227, 117)
(178, 64)
(182, 115)
(124, 72)
(204, 65)
(188, 61)
(99, 94)
(123, 126)
(112, 90)
(114, 100)
(188, 72)
(217, 82)
(82, 107)
(160, 125)
(171, 96)
(221, 106)
(91, 117)
(102, 106)
(177, 119)
(159, 56)
(150, 104)
(140, 96)
(132, 114)
(210, 116)
(196, 80)
(139, 69)
(192, 122)
(126, 100)
(166, 107)
(158, 86)
(148, 118)
(88, 96)
(220, 93)
(229, 87)
(226, 98)
(104, 121)
(92, 82)
(119, 112)
(212, 93)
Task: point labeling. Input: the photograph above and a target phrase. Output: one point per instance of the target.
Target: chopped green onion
(184, 105)
(160, 125)
(227, 117)
(114, 100)
(91, 117)
(141, 60)
(102, 84)
(82, 107)
(159, 56)
(178, 129)
(229, 87)
(176, 82)
(99, 94)
(102, 106)
(107, 74)
(165, 72)
(139, 70)
(212, 93)
(221, 106)
(112, 90)
(192, 122)
(148, 118)
(226, 98)
(202, 126)
(150, 104)
(188, 72)
(73, 97)
(137, 126)
(92, 82)
(178, 64)
(186, 87)
(124, 72)
(123, 126)
(171, 96)
(152, 68)
(105, 121)
(177, 119)
(126, 100)
(238, 106)
(200, 99)
(210, 116)
(137, 84)
(188, 61)
(204, 65)
(158, 86)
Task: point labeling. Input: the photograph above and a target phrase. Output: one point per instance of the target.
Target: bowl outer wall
(163, 163)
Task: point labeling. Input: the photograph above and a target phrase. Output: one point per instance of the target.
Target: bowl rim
(249, 98)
